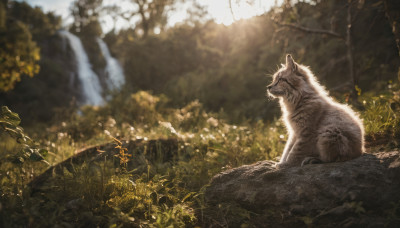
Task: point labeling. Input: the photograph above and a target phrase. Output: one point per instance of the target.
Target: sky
(218, 10)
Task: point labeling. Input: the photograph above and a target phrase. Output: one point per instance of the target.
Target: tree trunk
(348, 39)
(145, 24)
(230, 7)
(392, 9)
(350, 55)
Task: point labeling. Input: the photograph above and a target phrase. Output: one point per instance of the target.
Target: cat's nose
(269, 87)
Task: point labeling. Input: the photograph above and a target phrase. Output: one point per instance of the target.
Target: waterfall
(89, 80)
(114, 72)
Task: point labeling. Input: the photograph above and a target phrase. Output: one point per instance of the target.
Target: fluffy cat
(320, 129)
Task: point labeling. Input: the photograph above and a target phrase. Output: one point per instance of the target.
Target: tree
(352, 8)
(153, 14)
(19, 54)
(114, 11)
(392, 9)
(86, 16)
(196, 14)
(148, 14)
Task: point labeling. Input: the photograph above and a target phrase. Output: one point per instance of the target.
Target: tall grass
(382, 119)
(134, 189)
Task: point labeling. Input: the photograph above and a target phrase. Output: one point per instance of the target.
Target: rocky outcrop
(364, 192)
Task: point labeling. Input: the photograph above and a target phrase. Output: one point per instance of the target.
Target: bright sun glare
(221, 12)
(218, 10)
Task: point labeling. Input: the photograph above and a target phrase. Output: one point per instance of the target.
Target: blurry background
(219, 52)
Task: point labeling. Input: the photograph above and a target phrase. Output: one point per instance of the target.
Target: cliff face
(364, 192)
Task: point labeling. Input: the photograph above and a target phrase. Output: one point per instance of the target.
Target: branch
(230, 7)
(310, 30)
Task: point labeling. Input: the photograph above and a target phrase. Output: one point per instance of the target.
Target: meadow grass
(155, 193)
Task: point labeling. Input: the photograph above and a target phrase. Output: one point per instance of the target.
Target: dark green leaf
(14, 132)
(36, 156)
(18, 160)
(10, 116)
(190, 194)
(43, 152)
(27, 152)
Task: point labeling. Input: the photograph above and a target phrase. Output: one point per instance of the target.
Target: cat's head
(288, 80)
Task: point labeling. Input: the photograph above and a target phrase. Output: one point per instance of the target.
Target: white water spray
(115, 74)
(89, 80)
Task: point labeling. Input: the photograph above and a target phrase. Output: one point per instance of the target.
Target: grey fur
(319, 128)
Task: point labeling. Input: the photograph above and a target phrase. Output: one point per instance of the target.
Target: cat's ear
(290, 63)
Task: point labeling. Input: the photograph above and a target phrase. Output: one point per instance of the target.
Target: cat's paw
(310, 160)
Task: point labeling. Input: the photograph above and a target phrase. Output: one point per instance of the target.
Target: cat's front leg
(301, 149)
(288, 148)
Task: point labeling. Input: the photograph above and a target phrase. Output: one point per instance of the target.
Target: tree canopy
(20, 25)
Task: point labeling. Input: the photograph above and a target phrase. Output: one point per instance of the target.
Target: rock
(364, 192)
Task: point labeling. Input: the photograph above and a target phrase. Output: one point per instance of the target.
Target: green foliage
(224, 67)
(9, 122)
(379, 115)
(150, 202)
(152, 193)
(140, 108)
(18, 54)
(382, 118)
(40, 24)
(214, 112)
(20, 25)
(149, 192)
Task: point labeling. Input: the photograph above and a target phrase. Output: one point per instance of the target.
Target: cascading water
(115, 74)
(89, 80)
